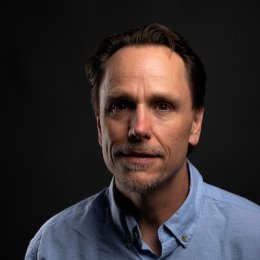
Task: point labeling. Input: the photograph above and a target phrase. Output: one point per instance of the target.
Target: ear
(99, 129)
(196, 126)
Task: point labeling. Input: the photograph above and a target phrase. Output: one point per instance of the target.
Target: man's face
(146, 119)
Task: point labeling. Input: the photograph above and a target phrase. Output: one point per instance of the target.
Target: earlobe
(99, 129)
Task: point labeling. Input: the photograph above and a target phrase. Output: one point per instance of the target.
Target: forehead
(151, 68)
(152, 60)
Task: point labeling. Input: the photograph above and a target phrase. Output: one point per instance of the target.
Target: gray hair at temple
(152, 34)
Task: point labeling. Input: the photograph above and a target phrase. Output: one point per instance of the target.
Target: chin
(138, 181)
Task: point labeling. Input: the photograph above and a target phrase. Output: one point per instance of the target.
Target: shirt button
(185, 238)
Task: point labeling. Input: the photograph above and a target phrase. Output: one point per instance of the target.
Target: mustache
(139, 148)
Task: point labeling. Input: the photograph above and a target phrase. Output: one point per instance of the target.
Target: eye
(119, 106)
(163, 106)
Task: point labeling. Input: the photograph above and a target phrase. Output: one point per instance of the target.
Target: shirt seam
(233, 204)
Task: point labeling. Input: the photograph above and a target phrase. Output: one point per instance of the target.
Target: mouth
(138, 157)
(137, 154)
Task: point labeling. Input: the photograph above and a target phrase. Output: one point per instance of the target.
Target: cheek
(113, 131)
(173, 136)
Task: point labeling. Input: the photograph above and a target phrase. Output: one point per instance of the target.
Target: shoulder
(88, 208)
(226, 198)
(232, 219)
(70, 224)
(237, 215)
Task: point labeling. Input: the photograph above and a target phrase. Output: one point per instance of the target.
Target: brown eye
(119, 106)
(163, 106)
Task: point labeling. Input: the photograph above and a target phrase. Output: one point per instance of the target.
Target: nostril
(133, 137)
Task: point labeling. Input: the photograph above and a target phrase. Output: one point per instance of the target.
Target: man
(148, 92)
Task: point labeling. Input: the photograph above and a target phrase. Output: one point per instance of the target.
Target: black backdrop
(51, 158)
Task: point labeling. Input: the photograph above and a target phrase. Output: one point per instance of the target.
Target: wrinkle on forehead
(144, 58)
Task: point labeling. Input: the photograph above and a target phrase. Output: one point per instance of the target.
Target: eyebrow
(153, 98)
(119, 95)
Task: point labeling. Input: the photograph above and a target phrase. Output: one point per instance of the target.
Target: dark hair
(152, 34)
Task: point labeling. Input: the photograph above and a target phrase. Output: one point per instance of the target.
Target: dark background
(50, 155)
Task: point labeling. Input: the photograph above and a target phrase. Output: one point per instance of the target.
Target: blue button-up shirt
(212, 224)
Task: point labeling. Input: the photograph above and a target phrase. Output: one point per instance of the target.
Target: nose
(140, 128)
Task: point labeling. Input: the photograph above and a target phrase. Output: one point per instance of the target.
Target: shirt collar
(181, 224)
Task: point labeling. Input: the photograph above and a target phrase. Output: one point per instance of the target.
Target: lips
(137, 158)
(137, 154)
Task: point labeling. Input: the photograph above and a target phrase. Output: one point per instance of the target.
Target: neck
(156, 207)
(151, 210)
